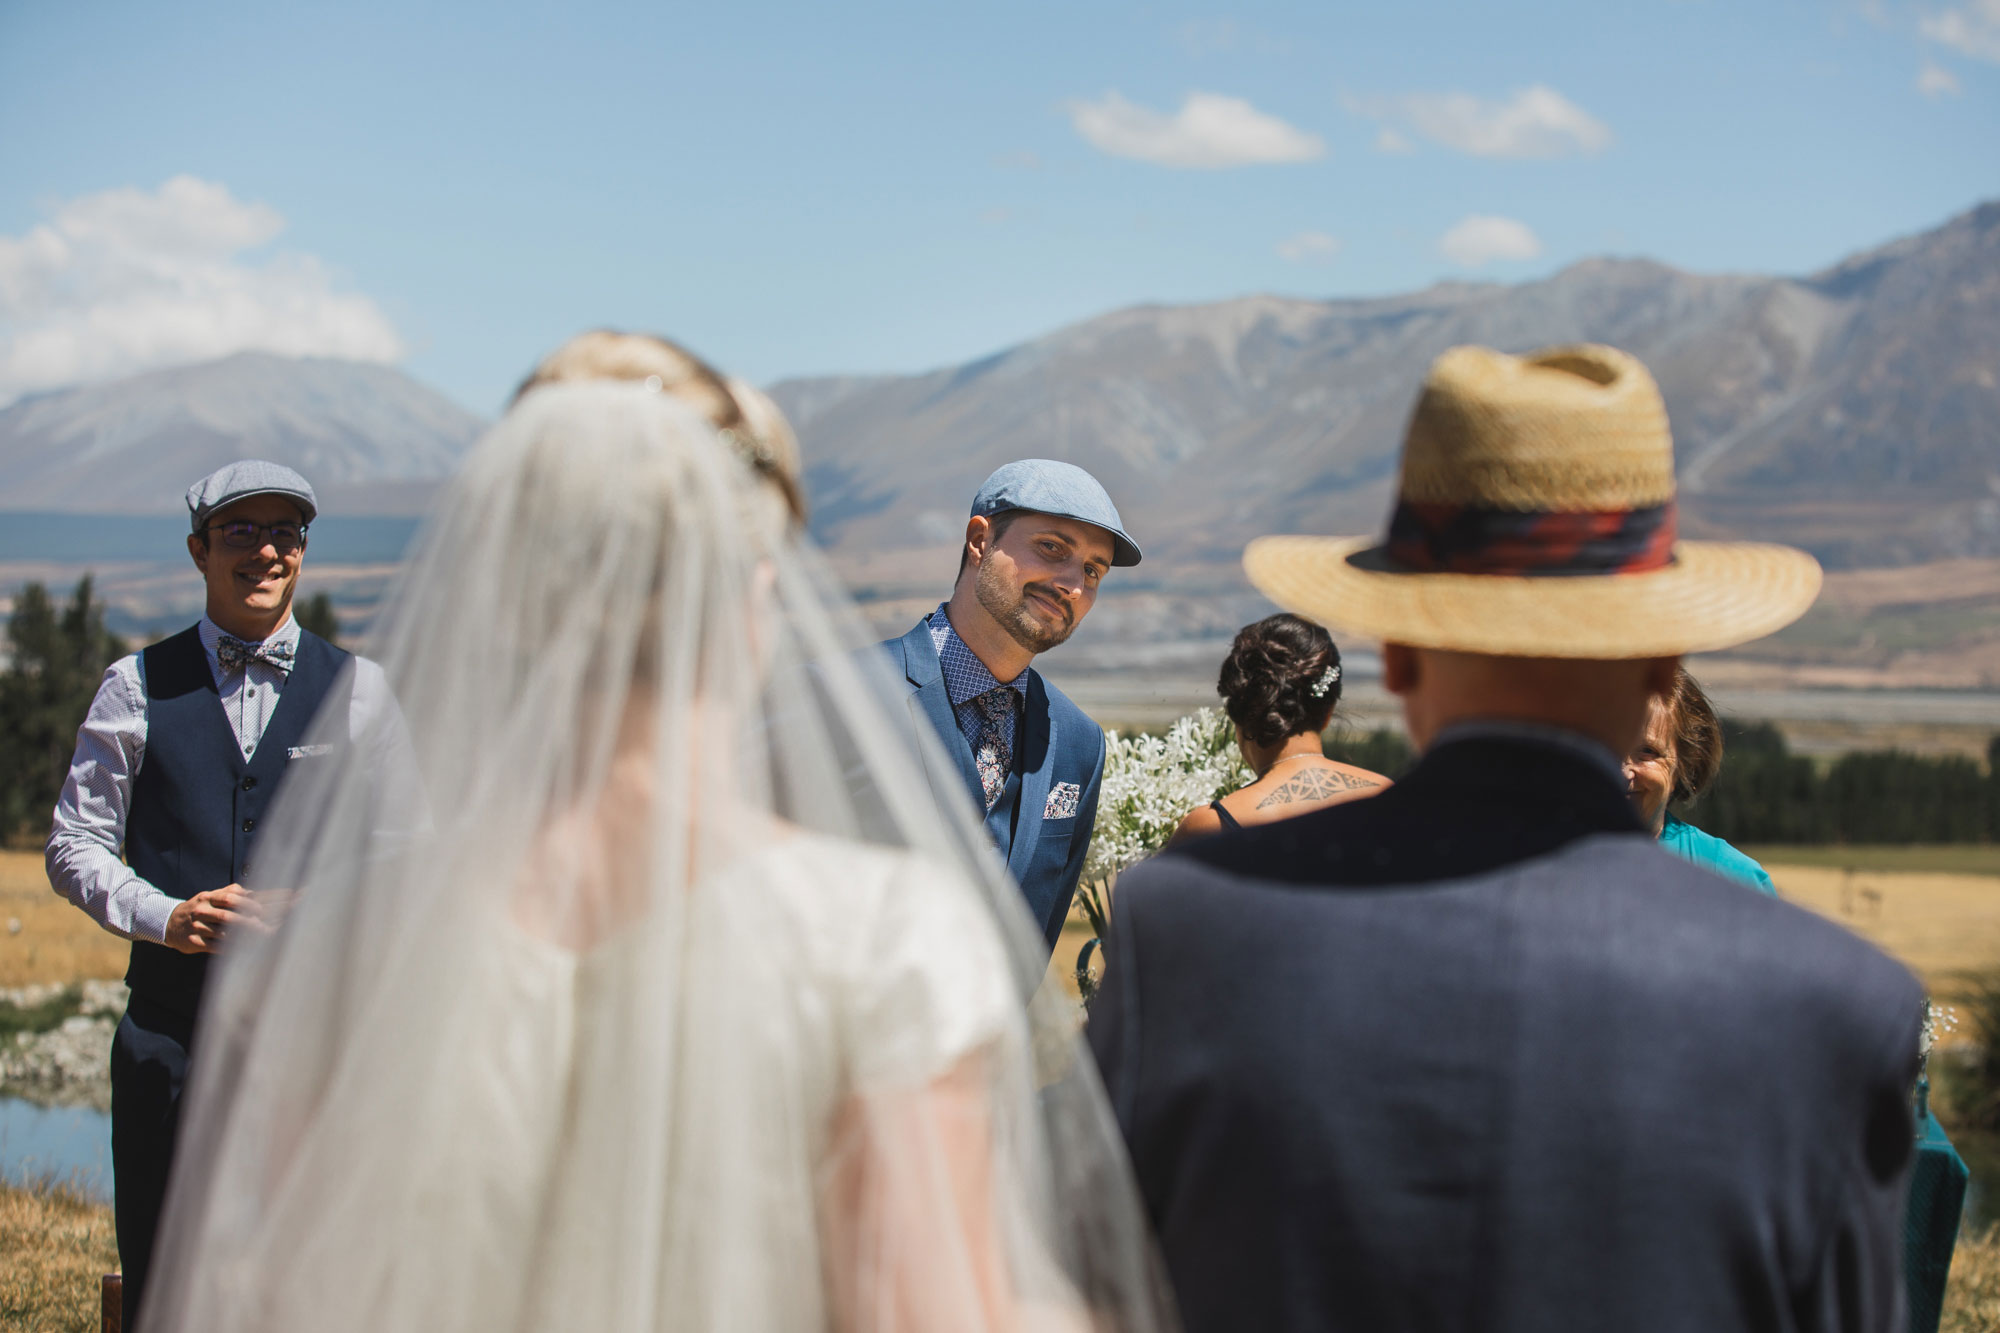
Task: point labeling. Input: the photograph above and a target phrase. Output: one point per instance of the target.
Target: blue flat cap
(240, 481)
(1062, 489)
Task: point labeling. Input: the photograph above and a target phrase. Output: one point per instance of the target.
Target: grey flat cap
(240, 481)
(1062, 489)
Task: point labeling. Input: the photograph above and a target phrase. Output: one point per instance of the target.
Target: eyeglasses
(244, 536)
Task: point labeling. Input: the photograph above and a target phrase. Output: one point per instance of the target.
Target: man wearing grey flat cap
(175, 765)
(1041, 536)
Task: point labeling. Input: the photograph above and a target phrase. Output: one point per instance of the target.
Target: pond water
(73, 1144)
(70, 1143)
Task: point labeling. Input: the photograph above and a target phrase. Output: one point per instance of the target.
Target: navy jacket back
(1476, 1054)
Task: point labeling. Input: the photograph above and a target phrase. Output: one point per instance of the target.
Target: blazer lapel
(931, 706)
(1035, 739)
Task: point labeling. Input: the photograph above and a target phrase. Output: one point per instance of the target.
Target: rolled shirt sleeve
(88, 836)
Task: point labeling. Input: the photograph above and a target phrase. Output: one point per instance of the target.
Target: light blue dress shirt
(966, 678)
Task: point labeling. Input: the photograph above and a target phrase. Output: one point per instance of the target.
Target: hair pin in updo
(1326, 681)
(750, 449)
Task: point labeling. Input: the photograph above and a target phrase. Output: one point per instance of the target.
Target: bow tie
(234, 654)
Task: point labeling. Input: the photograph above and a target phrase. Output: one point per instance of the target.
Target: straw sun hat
(1536, 519)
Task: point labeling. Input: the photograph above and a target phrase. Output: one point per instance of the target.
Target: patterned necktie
(995, 753)
(234, 654)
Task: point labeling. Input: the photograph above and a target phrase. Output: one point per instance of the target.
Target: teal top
(1690, 843)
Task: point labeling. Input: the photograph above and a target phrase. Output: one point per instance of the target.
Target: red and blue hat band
(1468, 539)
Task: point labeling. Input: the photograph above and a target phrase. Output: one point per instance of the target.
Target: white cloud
(1481, 238)
(1393, 141)
(1972, 29)
(131, 280)
(1309, 247)
(1534, 122)
(1936, 81)
(1209, 130)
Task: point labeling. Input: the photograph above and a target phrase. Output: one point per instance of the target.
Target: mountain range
(371, 439)
(1854, 411)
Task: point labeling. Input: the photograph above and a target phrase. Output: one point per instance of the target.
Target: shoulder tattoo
(1314, 785)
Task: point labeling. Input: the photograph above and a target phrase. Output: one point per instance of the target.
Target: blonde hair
(746, 418)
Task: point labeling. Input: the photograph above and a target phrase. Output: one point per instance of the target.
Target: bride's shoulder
(848, 867)
(907, 945)
(874, 891)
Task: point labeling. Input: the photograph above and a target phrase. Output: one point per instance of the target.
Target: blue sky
(808, 189)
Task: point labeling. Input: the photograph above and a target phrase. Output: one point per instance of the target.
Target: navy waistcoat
(197, 801)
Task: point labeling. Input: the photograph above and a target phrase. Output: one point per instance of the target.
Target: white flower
(1938, 1020)
(1151, 781)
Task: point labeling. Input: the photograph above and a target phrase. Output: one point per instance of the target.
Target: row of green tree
(57, 653)
(1764, 794)
(1767, 794)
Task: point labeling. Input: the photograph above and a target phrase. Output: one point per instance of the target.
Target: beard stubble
(1010, 609)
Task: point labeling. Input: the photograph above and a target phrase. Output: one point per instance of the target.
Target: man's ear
(978, 536)
(1400, 668)
(198, 548)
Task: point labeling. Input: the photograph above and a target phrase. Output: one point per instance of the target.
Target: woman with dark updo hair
(1279, 685)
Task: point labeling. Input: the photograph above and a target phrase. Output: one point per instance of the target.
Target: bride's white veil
(685, 1006)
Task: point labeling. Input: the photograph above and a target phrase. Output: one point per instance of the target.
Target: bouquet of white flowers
(1149, 783)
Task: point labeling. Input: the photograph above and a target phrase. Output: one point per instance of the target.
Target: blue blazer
(1055, 743)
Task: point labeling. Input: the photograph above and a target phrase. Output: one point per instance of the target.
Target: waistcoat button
(249, 824)
(249, 784)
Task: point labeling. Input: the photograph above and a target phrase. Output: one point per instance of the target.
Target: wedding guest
(1041, 538)
(176, 763)
(653, 1032)
(1475, 1053)
(1673, 764)
(1280, 685)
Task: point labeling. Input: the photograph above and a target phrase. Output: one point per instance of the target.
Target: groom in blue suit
(1041, 536)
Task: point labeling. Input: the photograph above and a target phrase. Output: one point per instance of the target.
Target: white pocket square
(308, 751)
(1062, 801)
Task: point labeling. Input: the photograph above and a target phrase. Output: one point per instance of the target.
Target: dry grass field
(1966, 858)
(55, 1247)
(52, 942)
(1062, 967)
(1972, 1296)
(1943, 926)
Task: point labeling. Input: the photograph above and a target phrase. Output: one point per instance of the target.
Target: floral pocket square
(1062, 801)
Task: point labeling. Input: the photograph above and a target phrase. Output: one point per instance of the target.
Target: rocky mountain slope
(372, 440)
(1854, 411)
